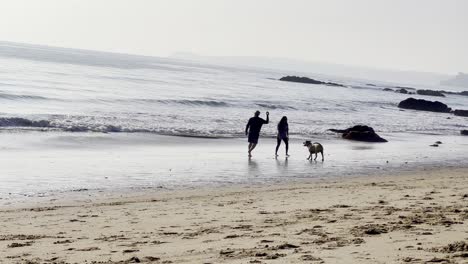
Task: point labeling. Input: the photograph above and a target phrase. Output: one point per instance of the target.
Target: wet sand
(41, 166)
(418, 217)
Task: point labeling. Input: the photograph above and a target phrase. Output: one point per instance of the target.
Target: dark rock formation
(402, 90)
(430, 93)
(460, 112)
(360, 133)
(447, 92)
(388, 90)
(464, 132)
(464, 93)
(405, 87)
(424, 105)
(308, 80)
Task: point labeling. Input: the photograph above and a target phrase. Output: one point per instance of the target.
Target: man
(253, 129)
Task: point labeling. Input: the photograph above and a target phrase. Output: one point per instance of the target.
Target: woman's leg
(286, 142)
(278, 143)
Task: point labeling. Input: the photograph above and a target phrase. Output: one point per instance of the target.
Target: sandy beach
(185, 132)
(406, 218)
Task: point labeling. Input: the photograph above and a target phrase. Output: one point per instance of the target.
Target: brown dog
(314, 148)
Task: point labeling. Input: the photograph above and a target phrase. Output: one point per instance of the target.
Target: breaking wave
(212, 103)
(8, 96)
(18, 123)
(277, 106)
(23, 122)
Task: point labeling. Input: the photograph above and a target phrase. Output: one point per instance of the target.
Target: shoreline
(411, 217)
(56, 165)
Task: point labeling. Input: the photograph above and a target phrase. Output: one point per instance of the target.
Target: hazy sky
(423, 35)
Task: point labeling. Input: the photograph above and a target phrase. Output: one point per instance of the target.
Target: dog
(314, 148)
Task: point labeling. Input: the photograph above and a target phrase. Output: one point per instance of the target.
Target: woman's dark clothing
(283, 131)
(278, 141)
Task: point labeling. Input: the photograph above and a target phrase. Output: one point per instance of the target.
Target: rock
(464, 132)
(460, 112)
(405, 87)
(464, 93)
(424, 105)
(388, 89)
(430, 93)
(308, 80)
(434, 145)
(448, 92)
(402, 90)
(360, 133)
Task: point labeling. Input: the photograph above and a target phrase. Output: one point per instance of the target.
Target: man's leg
(253, 146)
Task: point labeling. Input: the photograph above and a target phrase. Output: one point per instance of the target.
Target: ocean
(79, 91)
(54, 99)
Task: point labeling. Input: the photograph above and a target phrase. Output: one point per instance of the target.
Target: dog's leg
(322, 156)
(315, 156)
(310, 156)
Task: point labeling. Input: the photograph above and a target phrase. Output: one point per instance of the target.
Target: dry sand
(415, 218)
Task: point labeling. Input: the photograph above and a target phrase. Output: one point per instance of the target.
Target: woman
(283, 134)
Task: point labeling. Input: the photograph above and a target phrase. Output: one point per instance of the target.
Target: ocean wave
(201, 102)
(8, 96)
(212, 103)
(275, 106)
(19, 123)
(90, 125)
(23, 122)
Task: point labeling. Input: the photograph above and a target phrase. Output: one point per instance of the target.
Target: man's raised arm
(247, 128)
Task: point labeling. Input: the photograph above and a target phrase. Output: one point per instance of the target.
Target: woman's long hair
(283, 123)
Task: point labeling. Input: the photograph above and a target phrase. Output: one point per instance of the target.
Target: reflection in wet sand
(123, 162)
(362, 147)
(253, 167)
(282, 165)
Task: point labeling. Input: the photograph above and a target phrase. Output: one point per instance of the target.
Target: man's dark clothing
(254, 126)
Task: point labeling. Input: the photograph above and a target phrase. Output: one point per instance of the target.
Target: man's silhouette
(253, 129)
